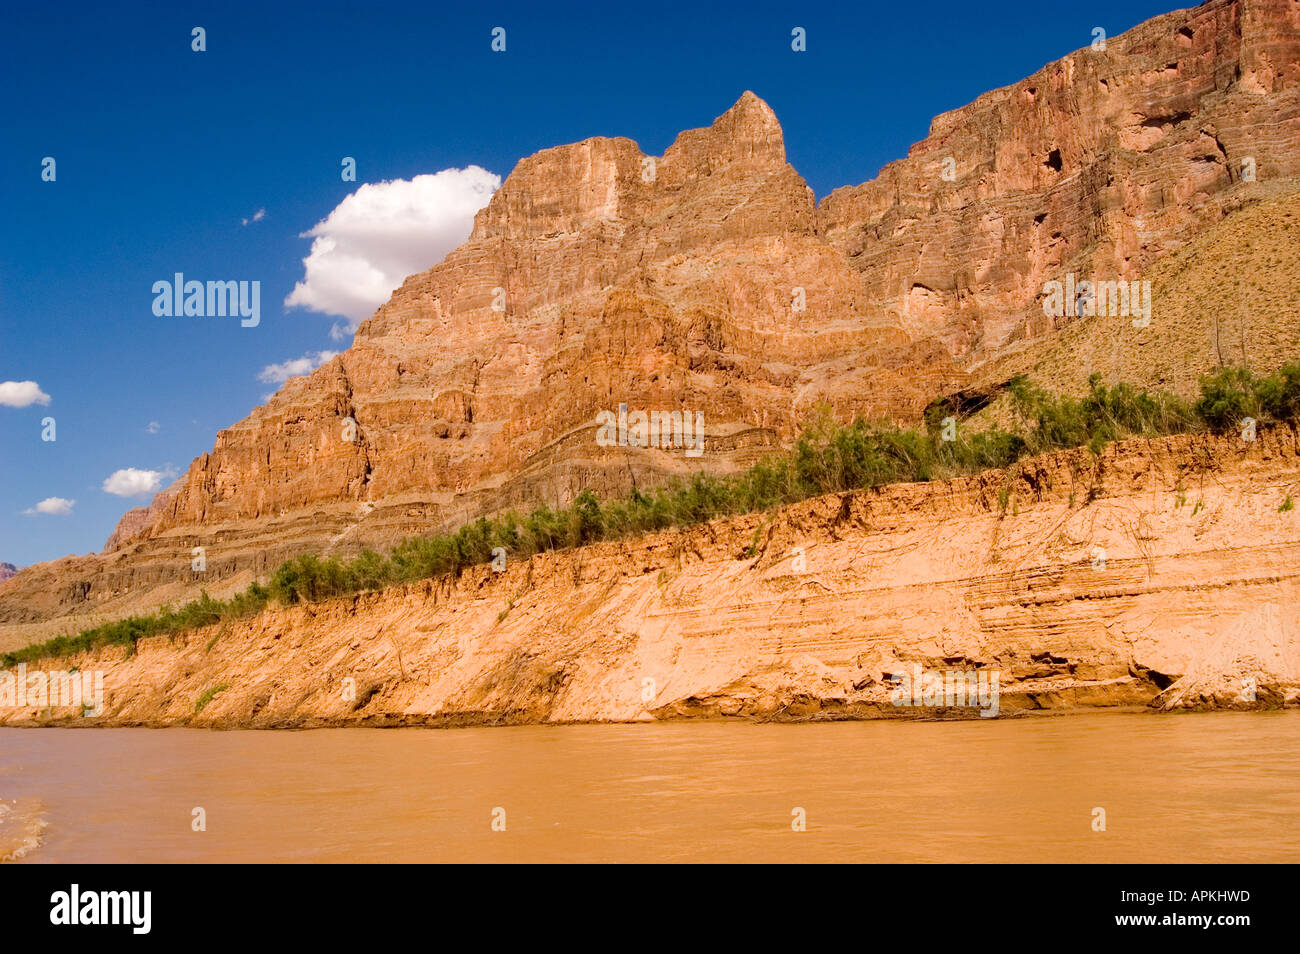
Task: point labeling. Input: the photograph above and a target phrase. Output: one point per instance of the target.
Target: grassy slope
(1231, 297)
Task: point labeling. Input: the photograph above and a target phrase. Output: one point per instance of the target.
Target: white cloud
(382, 233)
(22, 393)
(59, 506)
(130, 482)
(153, 427)
(258, 216)
(279, 373)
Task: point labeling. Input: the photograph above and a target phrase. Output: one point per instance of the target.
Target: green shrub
(1278, 395)
(1226, 397)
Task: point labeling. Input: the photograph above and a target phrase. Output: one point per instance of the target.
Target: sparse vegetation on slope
(1227, 298)
(826, 459)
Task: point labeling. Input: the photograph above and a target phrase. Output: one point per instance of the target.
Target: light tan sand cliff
(1163, 572)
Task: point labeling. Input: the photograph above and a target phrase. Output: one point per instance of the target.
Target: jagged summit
(602, 179)
(749, 132)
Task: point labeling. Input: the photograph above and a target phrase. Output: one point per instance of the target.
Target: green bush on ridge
(825, 459)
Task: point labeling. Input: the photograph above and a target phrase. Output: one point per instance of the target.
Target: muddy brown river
(1174, 788)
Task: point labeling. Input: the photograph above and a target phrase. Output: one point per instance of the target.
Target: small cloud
(257, 216)
(131, 482)
(279, 373)
(58, 506)
(22, 393)
(153, 427)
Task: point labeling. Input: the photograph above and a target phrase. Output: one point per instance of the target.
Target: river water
(1174, 788)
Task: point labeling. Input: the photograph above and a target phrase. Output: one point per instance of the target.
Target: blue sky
(162, 152)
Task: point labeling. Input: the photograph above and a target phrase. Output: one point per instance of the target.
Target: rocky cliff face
(1099, 163)
(138, 520)
(708, 280)
(694, 282)
(1228, 298)
(596, 277)
(1163, 573)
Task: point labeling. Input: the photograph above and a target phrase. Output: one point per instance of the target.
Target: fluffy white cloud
(60, 506)
(130, 482)
(279, 373)
(258, 216)
(382, 233)
(153, 427)
(22, 393)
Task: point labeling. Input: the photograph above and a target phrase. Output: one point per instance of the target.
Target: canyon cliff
(710, 280)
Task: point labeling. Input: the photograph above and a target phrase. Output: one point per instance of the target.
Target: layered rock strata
(1163, 573)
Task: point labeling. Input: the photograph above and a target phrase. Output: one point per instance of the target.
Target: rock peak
(753, 123)
(748, 132)
(751, 103)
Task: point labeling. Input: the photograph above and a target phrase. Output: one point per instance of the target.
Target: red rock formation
(598, 276)
(1099, 163)
(665, 289)
(138, 519)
